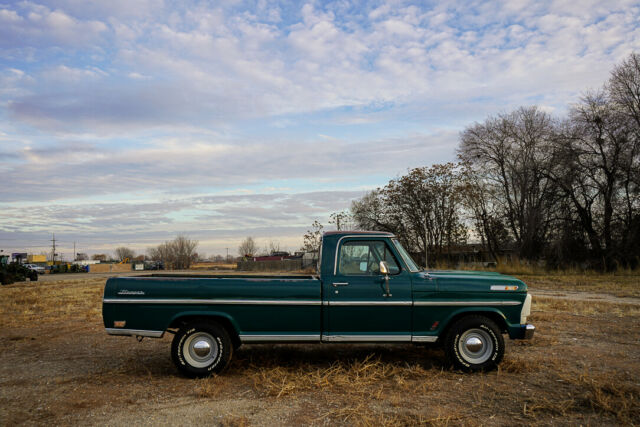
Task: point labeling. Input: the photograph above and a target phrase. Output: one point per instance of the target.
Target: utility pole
(227, 254)
(74, 251)
(53, 251)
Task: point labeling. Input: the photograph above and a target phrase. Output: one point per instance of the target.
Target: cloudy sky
(126, 122)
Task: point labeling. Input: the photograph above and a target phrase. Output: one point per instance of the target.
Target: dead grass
(613, 284)
(235, 421)
(209, 388)
(356, 376)
(45, 301)
(610, 395)
(602, 394)
(585, 308)
(581, 368)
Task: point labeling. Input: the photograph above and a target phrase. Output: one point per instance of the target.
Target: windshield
(411, 264)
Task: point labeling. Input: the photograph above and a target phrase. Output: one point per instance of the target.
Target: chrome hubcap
(475, 346)
(200, 350)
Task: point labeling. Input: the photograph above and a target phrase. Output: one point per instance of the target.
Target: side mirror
(384, 268)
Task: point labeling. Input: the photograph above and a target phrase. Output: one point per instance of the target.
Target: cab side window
(363, 258)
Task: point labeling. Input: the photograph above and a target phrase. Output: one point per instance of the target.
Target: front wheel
(474, 343)
(201, 349)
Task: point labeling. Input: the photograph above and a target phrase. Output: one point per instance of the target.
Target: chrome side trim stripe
(140, 332)
(367, 338)
(369, 303)
(282, 338)
(301, 302)
(464, 303)
(424, 338)
(419, 303)
(209, 301)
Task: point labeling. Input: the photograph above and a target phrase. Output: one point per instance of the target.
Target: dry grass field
(58, 366)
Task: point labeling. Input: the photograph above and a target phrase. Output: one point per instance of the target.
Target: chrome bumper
(529, 330)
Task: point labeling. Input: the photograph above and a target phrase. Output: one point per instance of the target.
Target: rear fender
(185, 315)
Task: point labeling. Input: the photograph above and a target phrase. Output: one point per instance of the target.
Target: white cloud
(174, 99)
(40, 26)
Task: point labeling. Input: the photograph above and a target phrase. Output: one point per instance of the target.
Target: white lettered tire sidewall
(486, 332)
(218, 338)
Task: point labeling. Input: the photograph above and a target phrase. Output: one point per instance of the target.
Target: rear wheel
(201, 349)
(474, 343)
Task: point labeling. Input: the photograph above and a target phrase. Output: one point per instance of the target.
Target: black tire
(474, 343)
(191, 343)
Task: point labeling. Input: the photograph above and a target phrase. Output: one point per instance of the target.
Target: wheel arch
(223, 319)
(491, 313)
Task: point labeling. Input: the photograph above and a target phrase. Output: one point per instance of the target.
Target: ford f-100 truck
(367, 290)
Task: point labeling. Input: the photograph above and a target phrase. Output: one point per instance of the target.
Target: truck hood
(474, 281)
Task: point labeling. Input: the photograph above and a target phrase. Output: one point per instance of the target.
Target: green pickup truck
(368, 290)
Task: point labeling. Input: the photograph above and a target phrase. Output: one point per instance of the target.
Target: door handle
(336, 284)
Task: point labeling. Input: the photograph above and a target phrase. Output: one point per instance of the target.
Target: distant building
(36, 259)
(19, 257)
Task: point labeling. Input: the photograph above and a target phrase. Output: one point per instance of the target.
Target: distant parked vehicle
(14, 272)
(34, 267)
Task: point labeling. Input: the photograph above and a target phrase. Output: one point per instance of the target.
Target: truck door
(359, 308)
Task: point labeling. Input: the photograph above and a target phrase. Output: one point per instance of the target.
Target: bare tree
(313, 237)
(99, 257)
(274, 247)
(422, 208)
(123, 253)
(178, 253)
(596, 160)
(342, 220)
(512, 153)
(624, 87)
(184, 252)
(369, 212)
(479, 203)
(248, 247)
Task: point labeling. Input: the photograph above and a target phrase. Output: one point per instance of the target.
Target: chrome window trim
(395, 242)
(366, 338)
(208, 301)
(464, 303)
(365, 236)
(319, 262)
(139, 332)
(283, 338)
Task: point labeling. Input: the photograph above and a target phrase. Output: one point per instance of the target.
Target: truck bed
(255, 304)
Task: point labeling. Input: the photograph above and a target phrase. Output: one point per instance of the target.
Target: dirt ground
(58, 366)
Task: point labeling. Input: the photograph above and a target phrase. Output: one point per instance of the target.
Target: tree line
(176, 254)
(565, 190)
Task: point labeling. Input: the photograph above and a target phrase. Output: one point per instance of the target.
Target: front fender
(492, 312)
